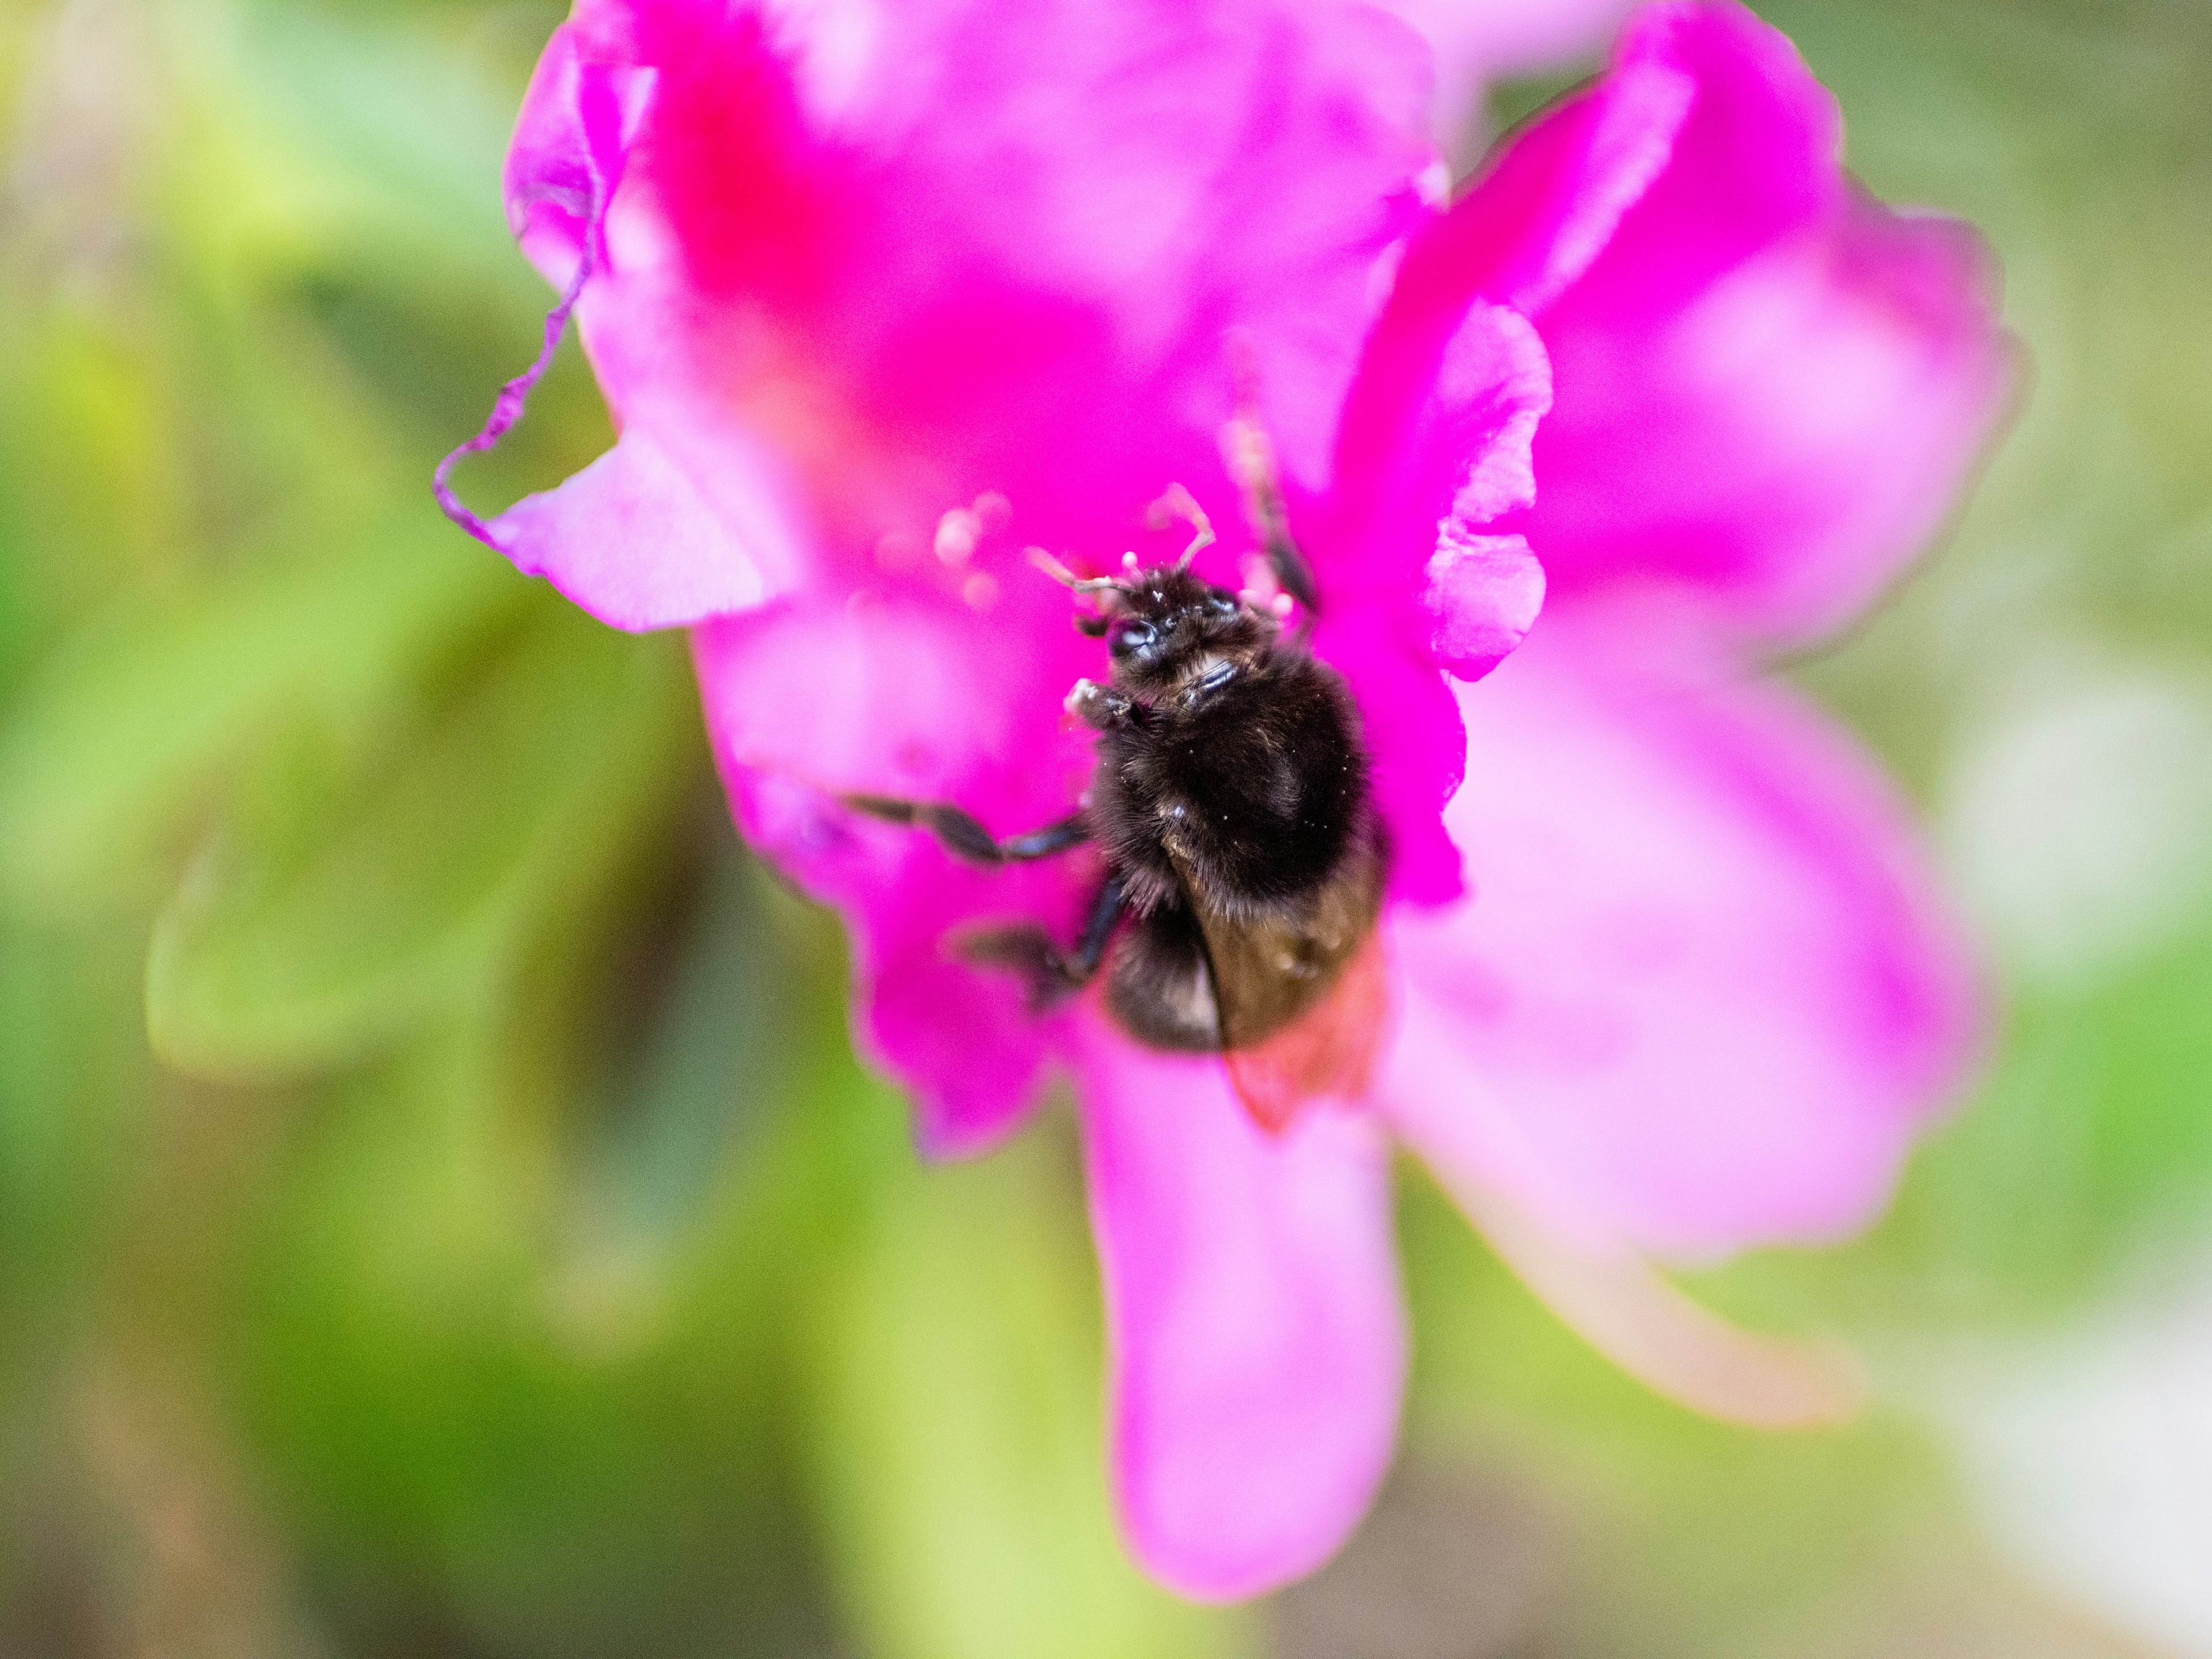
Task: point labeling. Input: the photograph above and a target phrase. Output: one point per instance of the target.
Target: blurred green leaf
(121, 735)
(2089, 1149)
(370, 135)
(1697, 1538)
(347, 908)
(497, 1423)
(474, 1428)
(73, 1080)
(960, 1434)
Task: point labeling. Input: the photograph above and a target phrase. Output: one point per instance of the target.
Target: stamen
(1179, 503)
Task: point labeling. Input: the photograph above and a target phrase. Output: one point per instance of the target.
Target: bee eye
(1220, 606)
(1132, 637)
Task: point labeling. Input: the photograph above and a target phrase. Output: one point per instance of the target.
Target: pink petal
(579, 117)
(1704, 985)
(805, 701)
(1769, 388)
(1788, 443)
(1257, 1342)
(1551, 200)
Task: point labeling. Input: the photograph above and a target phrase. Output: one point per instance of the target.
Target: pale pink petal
(571, 146)
(1256, 1337)
(1787, 443)
(1483, 596)
(1480, 42)
(579, 117)
(1704, 977)
(631, 540)
(1512, 37)
(1630, 1313)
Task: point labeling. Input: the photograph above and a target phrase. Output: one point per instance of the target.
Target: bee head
(1165, 626)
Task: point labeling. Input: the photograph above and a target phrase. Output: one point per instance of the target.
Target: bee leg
(1053, 974)
(963, 837)
(1103, 709)
(1159, 986)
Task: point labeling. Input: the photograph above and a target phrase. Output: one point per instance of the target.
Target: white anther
(957, 532)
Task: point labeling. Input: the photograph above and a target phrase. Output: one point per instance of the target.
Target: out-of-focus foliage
(440, 1212)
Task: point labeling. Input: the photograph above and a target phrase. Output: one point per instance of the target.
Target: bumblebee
(1245, 861)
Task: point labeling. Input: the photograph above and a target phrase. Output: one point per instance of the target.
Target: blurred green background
(440, 1216)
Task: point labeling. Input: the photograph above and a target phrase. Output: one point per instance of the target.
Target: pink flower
(882, 294)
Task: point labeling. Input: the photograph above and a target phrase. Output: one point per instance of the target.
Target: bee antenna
(1179, 503)
(1067, 579)
(1052, 567)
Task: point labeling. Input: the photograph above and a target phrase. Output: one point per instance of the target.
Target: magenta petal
(806, 699)
(571, 144)
(1256, 1336)
(1704, 987)
(1434, 442)
(1417, 553)
(878, 239)
(1415, 743)
(959, 1038)
(1549, 201)
(1752, 148)
(1768, 387)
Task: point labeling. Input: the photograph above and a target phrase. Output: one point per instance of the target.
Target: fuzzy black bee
(1244, 859)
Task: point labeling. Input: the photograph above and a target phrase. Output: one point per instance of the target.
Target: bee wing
(1329, 1050)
